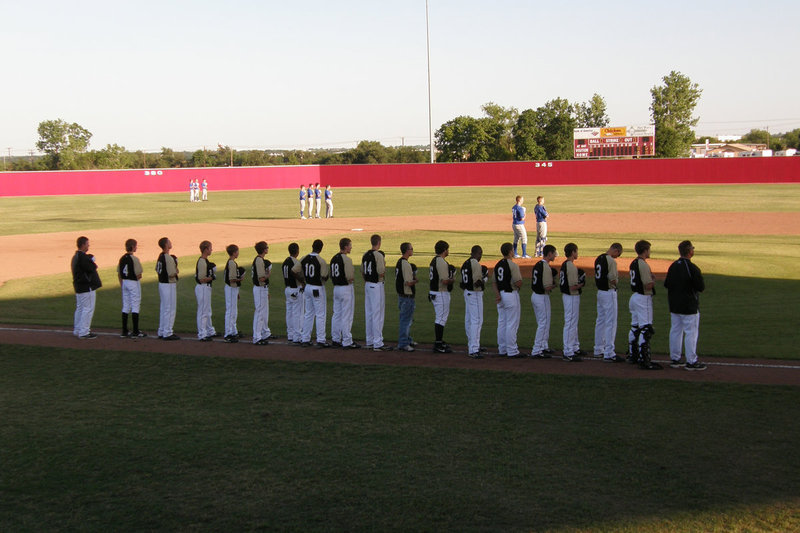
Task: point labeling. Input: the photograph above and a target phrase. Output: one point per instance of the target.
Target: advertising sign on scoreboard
(617, 141)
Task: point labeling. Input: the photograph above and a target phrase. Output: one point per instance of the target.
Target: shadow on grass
(152, 441)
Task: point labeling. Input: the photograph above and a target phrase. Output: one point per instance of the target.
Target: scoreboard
(625, 141)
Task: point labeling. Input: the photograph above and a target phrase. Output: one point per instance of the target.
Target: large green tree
(591, 114)
(672, 109)
(63, 143)
(463, 139)
(555, 125)
(526, 133)
(499, 124)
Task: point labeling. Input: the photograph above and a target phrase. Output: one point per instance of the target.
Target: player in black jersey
(294, 281)
(316, 272)
(405, 285)
(129, 272)
(261, 270)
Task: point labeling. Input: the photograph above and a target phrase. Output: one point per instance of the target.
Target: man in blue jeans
(405, 281)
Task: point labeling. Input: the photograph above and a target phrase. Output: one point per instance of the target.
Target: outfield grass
(139, 441)
(84, 213)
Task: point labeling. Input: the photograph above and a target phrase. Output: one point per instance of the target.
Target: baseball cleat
(383, 348)
(353, 346)
(572, 358)
(172, 337)
(696, 366)
(88, 336)
(475, 355)
(138, 334)
(407, 348)
(676, 364)
(615, 359)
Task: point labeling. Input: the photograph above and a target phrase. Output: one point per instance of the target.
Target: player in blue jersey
(518, 225)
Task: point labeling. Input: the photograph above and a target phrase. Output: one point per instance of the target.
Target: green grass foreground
(138, 441)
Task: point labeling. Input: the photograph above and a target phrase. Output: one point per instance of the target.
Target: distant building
(728, 150)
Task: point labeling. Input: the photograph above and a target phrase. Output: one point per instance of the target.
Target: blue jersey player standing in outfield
(518, 225)
(328, 202)
(541, 225)
(302, 202)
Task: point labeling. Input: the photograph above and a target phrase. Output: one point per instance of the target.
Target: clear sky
(269, 74)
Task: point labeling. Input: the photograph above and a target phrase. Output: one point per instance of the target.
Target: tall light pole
(430, 118)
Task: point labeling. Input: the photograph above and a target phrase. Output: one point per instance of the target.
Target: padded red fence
(616, 172)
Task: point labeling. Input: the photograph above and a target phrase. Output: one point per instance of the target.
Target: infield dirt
(49, 253)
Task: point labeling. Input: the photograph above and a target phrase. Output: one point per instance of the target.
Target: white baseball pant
(84, 311)
(572, 305)
(168, 293)
(541, 308)
(231, 310)
(261, 314)
(202, 293)
(316, 310)
(605, 328)
(641, 308)
(294, 314)
(131, 295)
(684, 328)
(343, 310)
(441, 306)
(473, 319)
(508, 316)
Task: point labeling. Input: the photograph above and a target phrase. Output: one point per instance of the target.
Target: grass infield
(158, 442)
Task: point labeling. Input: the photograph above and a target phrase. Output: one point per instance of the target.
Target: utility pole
(430, 118)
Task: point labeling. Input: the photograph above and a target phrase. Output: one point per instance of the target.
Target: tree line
(502, 134)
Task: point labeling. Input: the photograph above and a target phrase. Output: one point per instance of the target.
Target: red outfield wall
(618, 172)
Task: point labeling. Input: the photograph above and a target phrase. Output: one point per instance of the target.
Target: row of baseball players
(314, 197)
(194, 190)
(304, 281)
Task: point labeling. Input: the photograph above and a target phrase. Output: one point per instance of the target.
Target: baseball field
(152, 435)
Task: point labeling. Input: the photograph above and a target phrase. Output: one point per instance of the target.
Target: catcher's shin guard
(647, 332)
(633, 344)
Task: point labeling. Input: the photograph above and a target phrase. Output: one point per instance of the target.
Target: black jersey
(400, 280)
(312, 269)
(435, 278)
(231, 268)
(338, 276)
(288, 277)
(468, 283)
(601, 270)
(369, 266)
(126, 268)
(256, 263)
(204, 269)
(161, 267)
(638, 273)
(538, 275)
(563, 277)
(502, 276)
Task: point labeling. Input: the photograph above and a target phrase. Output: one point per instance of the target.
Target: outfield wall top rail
(534, 173)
